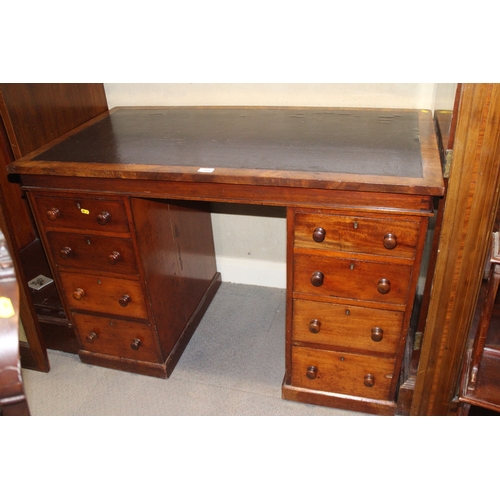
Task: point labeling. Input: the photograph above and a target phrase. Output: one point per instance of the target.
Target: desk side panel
(177, 251)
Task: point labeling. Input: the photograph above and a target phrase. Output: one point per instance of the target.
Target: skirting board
(252, 272)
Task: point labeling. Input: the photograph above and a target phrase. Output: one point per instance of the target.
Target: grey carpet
(233, 365)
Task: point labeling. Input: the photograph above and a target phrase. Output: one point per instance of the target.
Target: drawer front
(343, 373)
(115, 296)
(356, 234)
(341, 326)
(81, 213)
(351, 278)
(114, 337)
(100, 253)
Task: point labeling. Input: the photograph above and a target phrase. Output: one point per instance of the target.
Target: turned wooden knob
(124, 300)
(315, 326)
(136, 343)
(66, 252)
(312, 372)
(91, 337)
(78, 294)
(390, 241)
(369, 380)
(384, 286)
(103, 218)
(377, 334)
(317, 278)
(319, 234)
(114, 257)
(53, 213)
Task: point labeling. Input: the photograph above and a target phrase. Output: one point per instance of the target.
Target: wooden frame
(469, 214)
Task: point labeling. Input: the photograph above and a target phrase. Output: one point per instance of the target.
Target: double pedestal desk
(122, 205)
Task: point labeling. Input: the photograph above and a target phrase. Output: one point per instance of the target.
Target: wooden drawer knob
(136, 344)
(384, 286)
(53, 213)
(91, 337)
(319, 235)
(78, 294)
(312, 372)
(369, 380)
(315, 326)
(65, 253)
(390, 241)
(124, 300)
(377, 334)
(317, 278)
(104, 218)
(114, 257)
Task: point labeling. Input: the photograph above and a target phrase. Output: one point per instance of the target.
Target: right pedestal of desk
(352, 277)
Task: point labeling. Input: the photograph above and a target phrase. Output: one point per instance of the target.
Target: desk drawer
(351, 278)
(114, 337)
(342, 326)
(390, 237)
(120, 297)
(343, 373)
(100, 253)
(95, 214)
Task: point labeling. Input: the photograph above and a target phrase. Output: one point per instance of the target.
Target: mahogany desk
(122, 205)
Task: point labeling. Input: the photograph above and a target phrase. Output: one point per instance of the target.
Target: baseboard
(252, 272)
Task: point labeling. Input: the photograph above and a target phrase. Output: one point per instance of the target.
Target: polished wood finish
(132, 273)
(82, 212)
(469, 215)
(352, 277)
(322, 164)
(445, 120)
(480, 380)
(40, 112)
(115, 337)
(346, 326)
(114, 255)
(31, 116)
(342, 373)
(359, 295)
(138, 151)
(371, 235)
(12, 397)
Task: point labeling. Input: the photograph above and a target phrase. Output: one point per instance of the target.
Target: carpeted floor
(233, 365)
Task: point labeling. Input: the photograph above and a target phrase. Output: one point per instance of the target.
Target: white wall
(250, 242)
(390, 95)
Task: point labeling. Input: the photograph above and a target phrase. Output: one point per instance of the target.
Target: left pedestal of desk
(136, 275)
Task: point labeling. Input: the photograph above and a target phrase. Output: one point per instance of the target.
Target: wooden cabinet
(31, 116)
(109, 275)
(468, 218)
(353, 278)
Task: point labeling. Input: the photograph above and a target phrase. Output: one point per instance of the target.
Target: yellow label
(84, 211)
(6, 308)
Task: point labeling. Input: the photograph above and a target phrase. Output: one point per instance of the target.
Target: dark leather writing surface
(371, 142)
